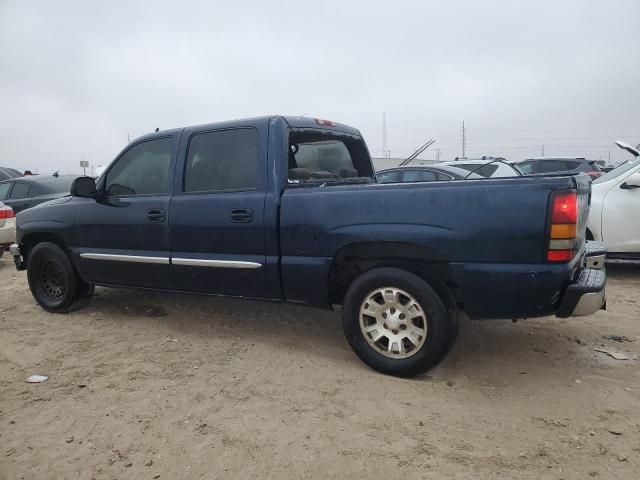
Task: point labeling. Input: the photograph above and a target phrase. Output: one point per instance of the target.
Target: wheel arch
(357, 258)
(32, 238)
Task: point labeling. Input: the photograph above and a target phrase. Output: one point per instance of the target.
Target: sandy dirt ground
(147, 385)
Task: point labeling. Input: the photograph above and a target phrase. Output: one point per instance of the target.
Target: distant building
(382, 163)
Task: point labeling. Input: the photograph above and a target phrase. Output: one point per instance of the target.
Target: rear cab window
(318, 156)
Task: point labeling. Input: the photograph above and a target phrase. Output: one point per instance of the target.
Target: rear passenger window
(20, 190)
(486, 170)
(222, 160)
(419, 176)
(571, 165)
(444, 177)
(4, 190)
(389, 177)
(526, 168)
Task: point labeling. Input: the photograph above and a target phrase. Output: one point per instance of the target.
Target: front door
(216, 216)
(123, 235)
(620, 227)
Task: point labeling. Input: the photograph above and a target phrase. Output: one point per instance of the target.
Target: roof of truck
(292, 121)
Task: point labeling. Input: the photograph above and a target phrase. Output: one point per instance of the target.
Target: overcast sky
(78, 77)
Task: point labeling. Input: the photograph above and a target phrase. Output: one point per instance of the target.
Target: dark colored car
(423, 173)
(6, 173)
(26, 192)
(287, 209)
(548, 165)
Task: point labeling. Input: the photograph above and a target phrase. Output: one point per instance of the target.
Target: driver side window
(141, 170)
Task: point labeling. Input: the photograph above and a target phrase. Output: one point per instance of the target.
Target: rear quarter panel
(485, 231)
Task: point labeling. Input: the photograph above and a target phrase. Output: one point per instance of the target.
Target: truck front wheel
(396, 323)
(53, 281)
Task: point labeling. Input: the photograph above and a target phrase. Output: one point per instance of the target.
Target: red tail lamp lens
(565, 207)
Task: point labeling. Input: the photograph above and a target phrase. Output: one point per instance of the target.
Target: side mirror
(633, 181)
(84, 187)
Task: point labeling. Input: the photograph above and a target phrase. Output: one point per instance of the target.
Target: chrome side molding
(126, 258)
(189, 262)
(196, 262)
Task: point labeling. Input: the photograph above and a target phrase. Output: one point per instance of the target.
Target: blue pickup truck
(287, 209)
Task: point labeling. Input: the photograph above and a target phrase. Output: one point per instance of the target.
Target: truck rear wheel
(53, 281)
(396, 323)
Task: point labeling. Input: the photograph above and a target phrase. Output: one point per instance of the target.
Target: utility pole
(542, 150)
(384, 135)
(437, 154)
(128, 138)
(464, 141)
(609, 161)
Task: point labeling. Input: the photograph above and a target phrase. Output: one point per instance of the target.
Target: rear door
(18, 198)
(217, 213)
(123, 236)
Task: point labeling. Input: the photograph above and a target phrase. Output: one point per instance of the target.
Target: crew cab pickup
(288, 209)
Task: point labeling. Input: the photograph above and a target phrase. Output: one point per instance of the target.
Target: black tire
(53, 281)
(441, 330)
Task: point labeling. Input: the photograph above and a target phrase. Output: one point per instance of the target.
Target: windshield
(616, 172)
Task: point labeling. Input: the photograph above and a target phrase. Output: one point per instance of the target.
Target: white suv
(615, 202)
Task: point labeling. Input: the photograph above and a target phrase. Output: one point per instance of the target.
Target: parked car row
(563, 166)
(19, 193)
(489, 167)
(431, 173)
(26, 192)
(615, 198)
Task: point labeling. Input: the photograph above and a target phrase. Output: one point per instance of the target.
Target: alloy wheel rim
(393, 322)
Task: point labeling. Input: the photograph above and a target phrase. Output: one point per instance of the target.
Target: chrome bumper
(587, 294)
(589, 304)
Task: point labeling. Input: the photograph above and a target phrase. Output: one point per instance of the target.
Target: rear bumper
(587, 295)
(7, 232)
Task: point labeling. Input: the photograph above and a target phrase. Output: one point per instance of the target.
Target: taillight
(564, 218)
(594, 174)
(6, 212)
